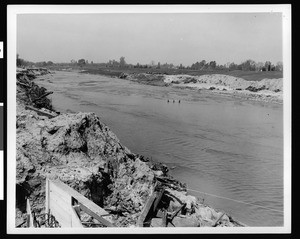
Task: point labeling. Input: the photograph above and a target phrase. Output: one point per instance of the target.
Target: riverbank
(247, 85)
(79, 149)
(266, 90)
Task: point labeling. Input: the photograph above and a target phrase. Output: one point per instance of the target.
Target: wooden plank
(146, 210)
(79, 197)
(54, 189)
(60, 211)
(158, 198)
(75, 220)
(42, 96)
(20, 83)
(64, 219)
(63, 205)
(60, 205)
(85, 204)
(164, 219)
(89, 210)
(47, 200)
(91, 223)
(64, 200)
(77, 209)
(177, 211)
(29, 215)
(40, 112)
(216, 222)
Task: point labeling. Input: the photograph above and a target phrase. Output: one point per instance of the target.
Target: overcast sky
(140, 38)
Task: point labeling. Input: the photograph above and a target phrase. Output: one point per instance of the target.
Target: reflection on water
(219, 145)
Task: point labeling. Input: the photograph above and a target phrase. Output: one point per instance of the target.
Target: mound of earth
(220, 82)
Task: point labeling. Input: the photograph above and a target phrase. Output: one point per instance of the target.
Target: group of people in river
(174, 101)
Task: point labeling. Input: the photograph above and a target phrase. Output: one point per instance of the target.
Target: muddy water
(218, 145)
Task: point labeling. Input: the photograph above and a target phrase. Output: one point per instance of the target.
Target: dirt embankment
(270, 90)
(82, 152)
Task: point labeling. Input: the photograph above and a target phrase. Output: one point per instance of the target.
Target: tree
(268, 65)
(152, 63)
(248, 65)
(122, 61)
(259, 66)
(19, 60)
(202, 63)
(212, 64)
(81, 62)
(279, 66)
(232, 66)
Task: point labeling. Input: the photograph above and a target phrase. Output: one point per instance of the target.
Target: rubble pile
(82, 152)
(29, 92)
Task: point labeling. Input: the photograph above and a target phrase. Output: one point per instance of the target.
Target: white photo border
(14, 10)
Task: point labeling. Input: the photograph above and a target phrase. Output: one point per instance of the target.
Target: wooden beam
(158, 198)
(92, 211)
(177, 211)
(84, 203)
(47, 208)
(150, 206)
(75, 219)
(91, 223)
(164, 219)
(146, 210)
(219, 218)
(42, 96)
(40, 112)
(23, 84)
(29, 215)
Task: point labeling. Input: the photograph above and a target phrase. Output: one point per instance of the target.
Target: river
(229, 151)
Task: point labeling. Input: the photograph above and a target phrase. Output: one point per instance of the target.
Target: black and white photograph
(146, 119)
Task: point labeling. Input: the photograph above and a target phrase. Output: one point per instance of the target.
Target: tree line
(248, 65)
(21, 62)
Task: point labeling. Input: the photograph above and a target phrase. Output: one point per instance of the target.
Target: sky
(178, 38)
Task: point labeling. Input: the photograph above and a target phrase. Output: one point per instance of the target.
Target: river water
(222, 147)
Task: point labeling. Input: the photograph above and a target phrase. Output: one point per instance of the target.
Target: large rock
(71, 147)
(86, 155)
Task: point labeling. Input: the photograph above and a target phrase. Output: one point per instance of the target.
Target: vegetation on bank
(248, 70)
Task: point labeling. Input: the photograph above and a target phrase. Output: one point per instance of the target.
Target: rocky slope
(82, 152)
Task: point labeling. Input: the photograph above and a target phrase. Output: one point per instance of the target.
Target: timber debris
(29, 92)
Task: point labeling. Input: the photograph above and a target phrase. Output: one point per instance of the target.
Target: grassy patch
(116, 72)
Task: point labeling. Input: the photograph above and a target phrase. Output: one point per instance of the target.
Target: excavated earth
(82, 152)
(267, 90)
